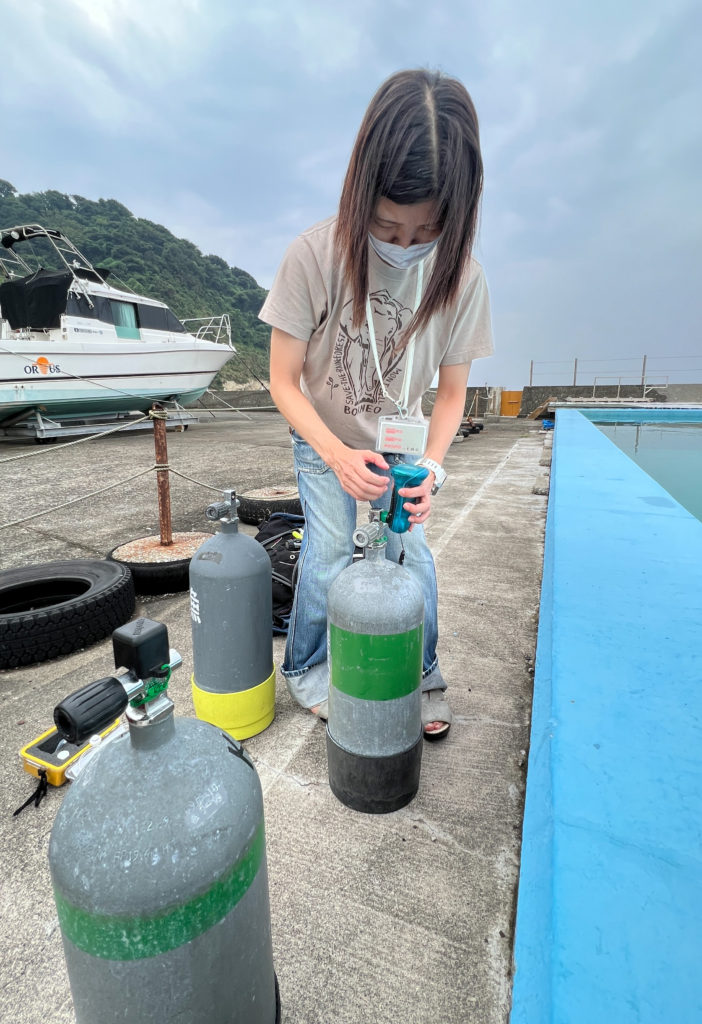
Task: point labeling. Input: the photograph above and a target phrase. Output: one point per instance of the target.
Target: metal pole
(643, 371)
(575, 371)
(531, 373)
(158, 414)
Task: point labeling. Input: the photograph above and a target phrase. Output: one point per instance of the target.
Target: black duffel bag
(281, 536)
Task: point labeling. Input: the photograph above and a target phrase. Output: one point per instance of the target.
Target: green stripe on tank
(113, 937)
(373, 667)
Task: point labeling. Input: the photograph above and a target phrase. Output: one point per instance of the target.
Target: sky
(232, 123)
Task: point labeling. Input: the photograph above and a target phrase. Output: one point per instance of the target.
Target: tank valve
(223, 509)
(365, 535)
(141, 647)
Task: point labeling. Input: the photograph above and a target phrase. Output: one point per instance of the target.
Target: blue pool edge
(611, 872)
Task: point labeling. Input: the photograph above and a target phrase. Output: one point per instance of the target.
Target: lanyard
(402, 401)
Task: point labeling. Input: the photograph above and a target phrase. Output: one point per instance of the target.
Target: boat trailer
(44, 430)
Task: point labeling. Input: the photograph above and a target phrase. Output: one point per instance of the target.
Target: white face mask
(398, 257)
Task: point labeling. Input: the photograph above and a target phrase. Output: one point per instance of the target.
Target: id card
(404, 436)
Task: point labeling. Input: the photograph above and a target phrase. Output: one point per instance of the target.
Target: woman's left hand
(420, 506)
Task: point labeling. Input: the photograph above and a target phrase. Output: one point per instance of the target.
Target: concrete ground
(376, 919)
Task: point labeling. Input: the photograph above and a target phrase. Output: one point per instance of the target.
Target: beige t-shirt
(310, 300)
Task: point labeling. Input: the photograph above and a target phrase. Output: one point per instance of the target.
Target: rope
(193, 481)
(226, 405)
(55, 448)
(102, 490)
(55, 508)
(239, 356)
(215, 395)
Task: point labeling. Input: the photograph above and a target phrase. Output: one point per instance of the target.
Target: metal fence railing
(648, 372)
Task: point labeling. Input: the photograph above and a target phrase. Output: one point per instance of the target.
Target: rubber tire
(256, 506)
(93, 599)
(156, 577)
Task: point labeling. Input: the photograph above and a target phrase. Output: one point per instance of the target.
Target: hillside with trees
(150, 260)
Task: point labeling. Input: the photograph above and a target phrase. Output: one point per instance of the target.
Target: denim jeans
(327, 549)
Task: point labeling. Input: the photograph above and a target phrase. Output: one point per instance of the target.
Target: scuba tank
(157, 857)
(231, 611)
(375, 612)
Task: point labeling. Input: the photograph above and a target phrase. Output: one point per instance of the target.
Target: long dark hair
(419, 140)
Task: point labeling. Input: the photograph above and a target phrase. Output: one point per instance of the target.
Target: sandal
(321, 710)
(435, 708)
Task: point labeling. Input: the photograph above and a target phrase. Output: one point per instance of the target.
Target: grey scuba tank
(231, 611)
(375, 613)
(158, 860)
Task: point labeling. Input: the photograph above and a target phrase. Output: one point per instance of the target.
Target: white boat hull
(67, 379)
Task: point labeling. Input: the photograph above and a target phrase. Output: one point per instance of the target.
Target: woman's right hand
(351, 468)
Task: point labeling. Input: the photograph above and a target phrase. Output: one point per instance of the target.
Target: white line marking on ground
(299, 738)
(457, 523)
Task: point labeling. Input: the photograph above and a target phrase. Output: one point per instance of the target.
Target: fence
(647, 371)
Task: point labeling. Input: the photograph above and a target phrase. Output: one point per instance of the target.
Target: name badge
(403, 436)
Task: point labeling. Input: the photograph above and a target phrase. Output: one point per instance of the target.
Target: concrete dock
(376, 918)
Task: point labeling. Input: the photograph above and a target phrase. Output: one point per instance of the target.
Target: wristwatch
(439, 473)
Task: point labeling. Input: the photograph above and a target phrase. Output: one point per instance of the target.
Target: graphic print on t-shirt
(353, 357)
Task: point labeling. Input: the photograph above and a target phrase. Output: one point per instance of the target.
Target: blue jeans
(327, 549)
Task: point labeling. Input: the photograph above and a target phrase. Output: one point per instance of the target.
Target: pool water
(669, 452)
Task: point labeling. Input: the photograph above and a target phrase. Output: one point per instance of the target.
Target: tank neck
(149, 735)
(375, 552)
(229, 525)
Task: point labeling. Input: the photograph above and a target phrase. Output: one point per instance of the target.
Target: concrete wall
(476, 401)
(684, 392)
(256, 398)
(533, 397)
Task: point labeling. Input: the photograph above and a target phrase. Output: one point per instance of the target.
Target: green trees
(149, 259)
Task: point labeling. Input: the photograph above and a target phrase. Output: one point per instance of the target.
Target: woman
(366, 307)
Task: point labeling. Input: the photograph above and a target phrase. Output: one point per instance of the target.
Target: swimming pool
(610, 894)
(669, 451)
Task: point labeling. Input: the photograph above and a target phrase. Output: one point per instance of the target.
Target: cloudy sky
(231, 123)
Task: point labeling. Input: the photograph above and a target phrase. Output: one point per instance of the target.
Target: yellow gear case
(52, 754)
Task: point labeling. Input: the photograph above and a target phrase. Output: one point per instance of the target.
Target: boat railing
(72, 258)
(12, 265)
(8, 333)
(210, 328)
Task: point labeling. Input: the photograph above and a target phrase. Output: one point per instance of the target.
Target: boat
(73, 345)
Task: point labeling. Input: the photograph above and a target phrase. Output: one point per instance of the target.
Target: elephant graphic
(353, 357)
